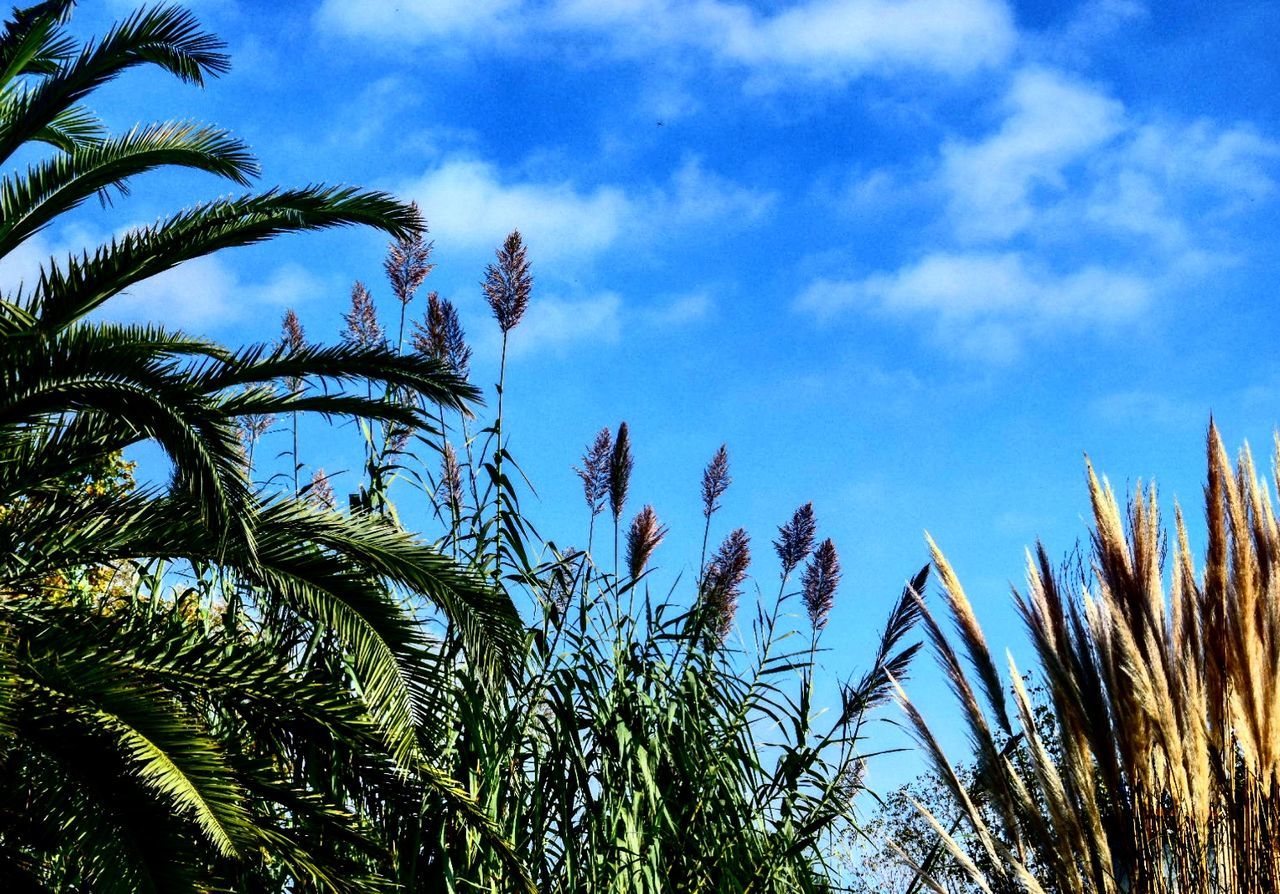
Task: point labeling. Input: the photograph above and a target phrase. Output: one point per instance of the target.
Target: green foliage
(246, 686)
(207, 686)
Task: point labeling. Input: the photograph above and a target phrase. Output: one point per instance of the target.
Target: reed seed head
(795, 538)
(722, 582)
(292, 338)
(821, 577)
(560, 587)
(320, 493)
(508, 284)
(620, 465)
(595, 471)
(254, 425)
(450, 478)
(408, 261)
(398, 438)
(642, 539)
(715, 481)
(442, 337)
(362, 327)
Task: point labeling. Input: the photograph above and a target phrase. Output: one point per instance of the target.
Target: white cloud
(845, 38)
(1051, 124)
(470, 204)
(1072, 211)
(682, 310)
(557, 324)
(417, 21)
(208, 292)
(984, 304)
(825, 39)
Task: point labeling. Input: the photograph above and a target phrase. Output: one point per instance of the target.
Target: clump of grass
(1167, 774)
(640, 744)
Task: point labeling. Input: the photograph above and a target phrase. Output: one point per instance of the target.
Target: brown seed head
(620, 465)
(821, 577)
(642, 539)
(508, 284)
(795, 538)
(254, 425)
(715, 481)
(292, 338)
(595, 471)
(561, 585)
(722, 582)
(442, 336)
(408, 261)
(398, 438)
(362, 329)
(320, 493)
(450, 478)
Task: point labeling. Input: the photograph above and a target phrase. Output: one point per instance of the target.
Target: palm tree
(275, 733)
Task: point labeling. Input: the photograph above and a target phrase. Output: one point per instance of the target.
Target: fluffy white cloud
(209, 292)
(1072, 210)
(557, 324)
(697, 196)
(828, 39)
(1051, 123)
(984, 304)
(471, 204)
(418, 21)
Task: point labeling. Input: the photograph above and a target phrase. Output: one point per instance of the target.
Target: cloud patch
(1071, 211)
(558, 324)
(826, 40)
(471, 204)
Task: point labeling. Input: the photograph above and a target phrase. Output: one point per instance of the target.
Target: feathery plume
(408, 261)
(320, 493)
(450, 477)
(620, 464)
(795, 538)
(508, 284)
(821, 577)
(595, 471)
(398, 438)
(642, 539)
(722, 582)
(251, 428)
(254, 425)
(292, 338)
(362, 329)
(715, 481)
(561, 587)
(442, 336)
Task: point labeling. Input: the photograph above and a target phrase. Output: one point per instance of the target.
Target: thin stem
(497, 465)
(296, 490)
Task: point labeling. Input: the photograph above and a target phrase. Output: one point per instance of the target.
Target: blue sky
(910, 260)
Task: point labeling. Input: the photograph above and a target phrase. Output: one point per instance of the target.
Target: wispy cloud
(1071, 211)
(555, 324)
(416, 22)
(472, 204)
(208, 293)
(833, 40)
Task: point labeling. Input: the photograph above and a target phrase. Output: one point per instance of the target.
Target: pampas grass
(1163, 679)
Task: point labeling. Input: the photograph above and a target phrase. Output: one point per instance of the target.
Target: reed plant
(646, 740)
(1162, 681)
